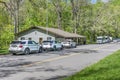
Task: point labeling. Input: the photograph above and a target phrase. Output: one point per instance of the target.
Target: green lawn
(3, 51)
(106, 69)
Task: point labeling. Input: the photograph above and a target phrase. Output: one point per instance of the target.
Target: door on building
(40, 40)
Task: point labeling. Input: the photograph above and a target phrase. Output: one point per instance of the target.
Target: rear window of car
(66, 42)
(23, 42)
(15, 42)
(18, 42)
(47, 42)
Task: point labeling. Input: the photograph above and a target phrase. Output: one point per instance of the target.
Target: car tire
(61, 47)
(71, 46)
(27, 51)
(54, 48)
(13, 53)
(75, 46)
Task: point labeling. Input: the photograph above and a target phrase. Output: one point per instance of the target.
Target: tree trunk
(59, 20)
(13, 8)
(58, 8)
(75, 15)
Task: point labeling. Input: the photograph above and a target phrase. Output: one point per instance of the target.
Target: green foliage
(7, 36)
(106, 69)
(3, 51)
(92, 19)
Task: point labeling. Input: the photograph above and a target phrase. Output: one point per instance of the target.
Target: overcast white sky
(94, 1)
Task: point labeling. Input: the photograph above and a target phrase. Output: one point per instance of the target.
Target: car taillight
(20, 46)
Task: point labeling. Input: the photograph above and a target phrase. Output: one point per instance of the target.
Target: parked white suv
(51, 45)
(69, 44)
(24, 47)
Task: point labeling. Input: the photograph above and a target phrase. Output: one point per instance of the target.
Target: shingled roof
(56, 32)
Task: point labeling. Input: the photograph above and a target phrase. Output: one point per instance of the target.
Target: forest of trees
(76, 16)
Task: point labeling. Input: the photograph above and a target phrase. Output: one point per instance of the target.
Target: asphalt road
(53, 65)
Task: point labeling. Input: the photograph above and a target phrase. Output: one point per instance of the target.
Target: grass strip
(3, 51)
(106, 69)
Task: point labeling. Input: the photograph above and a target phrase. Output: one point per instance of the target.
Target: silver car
(52, 45)
(24, 47)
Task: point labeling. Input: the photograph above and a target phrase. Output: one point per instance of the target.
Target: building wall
(35, 34)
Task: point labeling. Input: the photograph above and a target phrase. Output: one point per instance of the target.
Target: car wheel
(75, 46)
(71, 46)
(40, 50)
(54, 48)
(13, 53)
(27, 51)
(62, 47)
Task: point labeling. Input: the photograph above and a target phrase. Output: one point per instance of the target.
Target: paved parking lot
(53, 65)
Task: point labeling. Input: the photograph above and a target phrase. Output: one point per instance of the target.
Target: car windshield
(99, 38)
(66, 42)
(18, 42)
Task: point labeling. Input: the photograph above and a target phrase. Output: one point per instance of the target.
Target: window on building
(49, 38)
(22, 38)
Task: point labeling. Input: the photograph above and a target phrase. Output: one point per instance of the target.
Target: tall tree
(58, 7)
(77, 10)
(13, 7)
